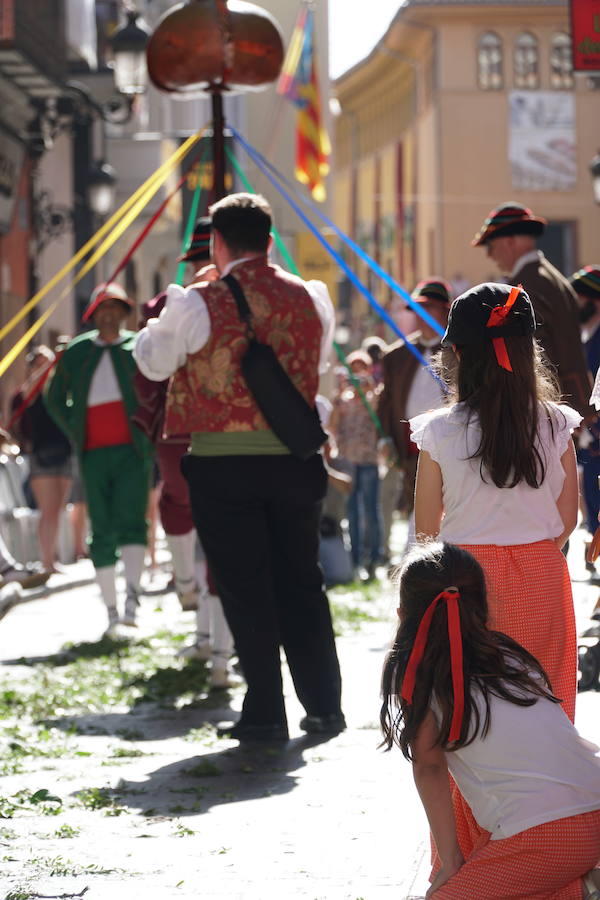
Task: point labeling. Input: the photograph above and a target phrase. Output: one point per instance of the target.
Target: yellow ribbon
(137, 201)
(21, 344)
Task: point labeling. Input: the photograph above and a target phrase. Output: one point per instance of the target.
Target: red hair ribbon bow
(497, 317)
(451, 596)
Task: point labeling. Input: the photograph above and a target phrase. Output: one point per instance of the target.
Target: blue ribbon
(338, 258)
(362, 254)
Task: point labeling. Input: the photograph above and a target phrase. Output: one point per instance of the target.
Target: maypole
(212, 47)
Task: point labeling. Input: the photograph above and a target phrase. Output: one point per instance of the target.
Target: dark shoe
(333, 723)
(27, 576)
(242, 732)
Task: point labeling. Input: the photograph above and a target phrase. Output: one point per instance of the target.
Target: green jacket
(68, 388)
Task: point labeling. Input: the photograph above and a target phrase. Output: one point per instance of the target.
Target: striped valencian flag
(299, 83)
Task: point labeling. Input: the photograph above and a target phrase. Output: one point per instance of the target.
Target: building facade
(462, 106)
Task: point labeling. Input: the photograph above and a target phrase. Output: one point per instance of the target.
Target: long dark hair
(493, 664)
(508, 405)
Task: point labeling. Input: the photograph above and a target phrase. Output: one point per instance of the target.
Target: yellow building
(461, 106)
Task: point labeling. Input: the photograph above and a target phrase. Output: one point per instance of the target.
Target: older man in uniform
(509, 236)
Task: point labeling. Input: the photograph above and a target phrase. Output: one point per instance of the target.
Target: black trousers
(258, 520)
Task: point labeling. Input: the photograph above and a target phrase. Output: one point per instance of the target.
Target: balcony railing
(33, 44)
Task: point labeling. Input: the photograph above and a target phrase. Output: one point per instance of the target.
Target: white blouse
(475, 510)
(512, 785)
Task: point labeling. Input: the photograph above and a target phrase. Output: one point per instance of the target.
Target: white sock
(222, 639)
(106, 578)
(133, 556)
(182, 548)
(203, 619)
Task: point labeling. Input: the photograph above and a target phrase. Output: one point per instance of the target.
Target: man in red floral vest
(256, 507)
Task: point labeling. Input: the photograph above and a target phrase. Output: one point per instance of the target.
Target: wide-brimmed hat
(586, 282)
(433, 289)
(104, 291)
(469, 319)
(199, 248)
(509, 218)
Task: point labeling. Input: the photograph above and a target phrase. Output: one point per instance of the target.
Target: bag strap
(244, 311)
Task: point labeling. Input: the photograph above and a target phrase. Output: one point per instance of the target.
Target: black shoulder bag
(292, 419)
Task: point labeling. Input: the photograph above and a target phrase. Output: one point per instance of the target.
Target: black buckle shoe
(333, 723)
(245, 732)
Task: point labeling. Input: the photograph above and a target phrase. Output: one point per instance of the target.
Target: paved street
(150, 804)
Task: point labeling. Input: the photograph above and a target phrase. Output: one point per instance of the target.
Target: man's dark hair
(243, 221)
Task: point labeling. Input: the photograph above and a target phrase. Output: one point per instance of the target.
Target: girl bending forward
(459, 697)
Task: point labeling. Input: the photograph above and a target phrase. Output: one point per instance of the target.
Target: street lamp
(129, 51)
(595, 173)
(102, 179)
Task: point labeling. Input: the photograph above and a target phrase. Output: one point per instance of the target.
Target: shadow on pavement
(232, 775)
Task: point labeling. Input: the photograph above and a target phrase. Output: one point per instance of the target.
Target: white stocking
(106, 578)
(182, 548)
(133, 556)
(222, 639)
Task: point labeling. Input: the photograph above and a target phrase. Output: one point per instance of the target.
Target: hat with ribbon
(493, 312)
(509, 218)
(587, 282)
(107, 291)
(433, 289)
(451, 596)
(199, 248)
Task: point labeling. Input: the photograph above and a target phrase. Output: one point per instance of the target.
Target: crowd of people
(466, 427)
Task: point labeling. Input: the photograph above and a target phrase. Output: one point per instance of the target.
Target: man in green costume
(91, 397)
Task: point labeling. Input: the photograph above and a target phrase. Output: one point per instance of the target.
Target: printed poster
(541, 140)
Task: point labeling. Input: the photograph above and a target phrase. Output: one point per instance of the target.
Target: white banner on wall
(541, 140)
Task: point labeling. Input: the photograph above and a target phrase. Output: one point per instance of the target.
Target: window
(561, 62)
(526, 61)
(489, 62)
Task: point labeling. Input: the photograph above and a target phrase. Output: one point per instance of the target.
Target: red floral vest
(209, 393)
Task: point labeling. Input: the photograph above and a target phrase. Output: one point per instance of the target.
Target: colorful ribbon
(451, 595)
(294, 268)
(350, 274)
(497, 318)
(160, 175)
(397, 288)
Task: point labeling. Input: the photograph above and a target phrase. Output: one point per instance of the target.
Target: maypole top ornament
(206, 45)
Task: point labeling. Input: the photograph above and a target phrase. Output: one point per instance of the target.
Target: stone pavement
(324, 820)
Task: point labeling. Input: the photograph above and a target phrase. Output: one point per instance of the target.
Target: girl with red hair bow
(461, 698)
(497, 476)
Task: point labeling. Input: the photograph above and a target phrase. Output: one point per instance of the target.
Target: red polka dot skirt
(543, 863)
(530, 599)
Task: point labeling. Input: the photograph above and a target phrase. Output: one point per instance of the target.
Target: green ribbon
(191, 220)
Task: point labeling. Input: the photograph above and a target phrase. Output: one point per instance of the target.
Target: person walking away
(356, 439)
(409, 389)
(49, 452)
(509, 237)
(256, 507)
(497, 475)
(455, 696)
(91, 397)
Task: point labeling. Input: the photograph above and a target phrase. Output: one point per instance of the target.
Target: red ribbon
(451, 596)
(497, 317)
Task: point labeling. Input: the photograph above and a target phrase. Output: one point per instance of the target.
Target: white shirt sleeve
(326, 312)
(183, 327)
